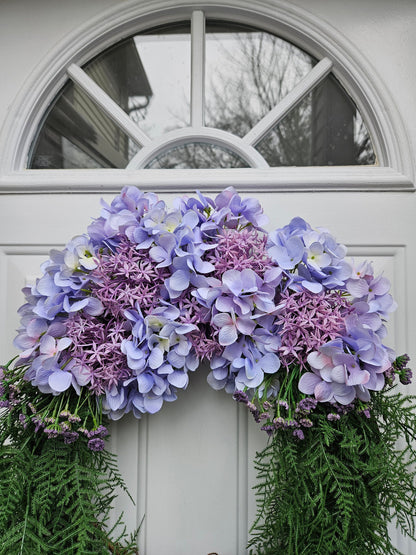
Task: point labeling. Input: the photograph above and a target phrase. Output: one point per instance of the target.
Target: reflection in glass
(197, 155)
(76, 134)
(289, 143)
(248, 72)
(119, 72)
(325, 129)
(166, 57)
(148, 75)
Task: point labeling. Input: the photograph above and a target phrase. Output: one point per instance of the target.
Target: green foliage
(55, 498)
(335, 491)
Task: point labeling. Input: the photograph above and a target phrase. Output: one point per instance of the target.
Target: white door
(190, 467)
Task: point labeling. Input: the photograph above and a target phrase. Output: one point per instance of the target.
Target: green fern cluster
(55, 498)
(336, 491)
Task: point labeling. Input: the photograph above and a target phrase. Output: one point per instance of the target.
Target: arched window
(202, 94)
(248, 93)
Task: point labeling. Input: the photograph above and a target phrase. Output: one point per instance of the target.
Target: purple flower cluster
(45, 415)
(340, 341)
(307, 321)
(130, 308)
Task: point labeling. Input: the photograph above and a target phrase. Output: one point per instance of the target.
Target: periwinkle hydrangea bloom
(117, 311)
(129, 309)
(313, 259)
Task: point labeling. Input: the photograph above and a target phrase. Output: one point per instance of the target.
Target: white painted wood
(290, 101)
(108, 105)
(244, 463)
(293, 179)
(197, 68)
(188, 135)
(169, 459)
(381, 226)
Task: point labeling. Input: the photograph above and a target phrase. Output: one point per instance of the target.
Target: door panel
(189, 467)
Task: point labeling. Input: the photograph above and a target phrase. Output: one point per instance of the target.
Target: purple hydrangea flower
(129, 309)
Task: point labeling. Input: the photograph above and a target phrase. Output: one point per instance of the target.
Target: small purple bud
(70, 437)
(241, 397)
(51, 433)
(22, 420)
(405, 376)
(268, 428)
(306, 423)
(64, 414)
(74, 418)
(96, 444)
(299, 434)
(332, 417)
(279, 422)
(264, 416)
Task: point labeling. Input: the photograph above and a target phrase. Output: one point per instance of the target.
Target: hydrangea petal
(178, 379)
(152, 405)
(270, 363)
(307, 383)
(60, 380)
(227, 335)
(323, 392)
(145, 382)
(155, 358)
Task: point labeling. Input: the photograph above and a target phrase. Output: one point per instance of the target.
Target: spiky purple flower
(125, 277)
(307, 321)
(97, 349)
(239, 250)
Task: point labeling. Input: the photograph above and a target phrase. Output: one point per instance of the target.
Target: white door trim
(249, 180)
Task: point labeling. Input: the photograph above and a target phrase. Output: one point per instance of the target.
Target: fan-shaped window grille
(202, 94)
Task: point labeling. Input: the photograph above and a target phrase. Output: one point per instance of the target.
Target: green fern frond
(336, 490)
(56, 498)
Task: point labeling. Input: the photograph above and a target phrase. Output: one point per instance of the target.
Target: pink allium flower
(126, 276)
(240, 249)
(307, 321)
(97, 350)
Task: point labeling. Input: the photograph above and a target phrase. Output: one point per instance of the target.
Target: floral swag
(289, 327)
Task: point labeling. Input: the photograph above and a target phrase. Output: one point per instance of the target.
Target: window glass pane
(148, 75)
(77, 134)
(325, 129)
(247, 73)
(197, 155)
(289, 143)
